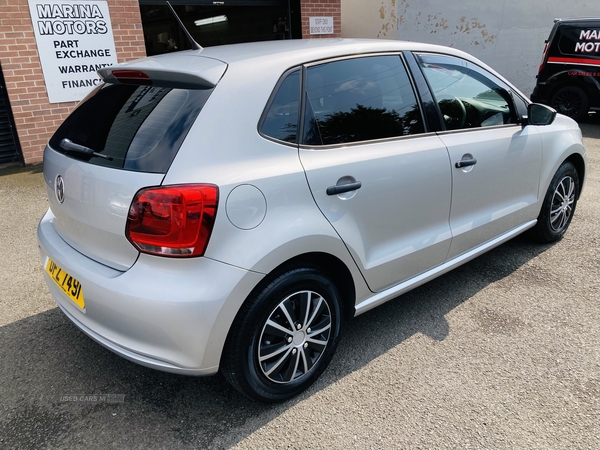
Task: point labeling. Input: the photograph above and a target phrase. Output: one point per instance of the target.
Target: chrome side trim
(399, 289)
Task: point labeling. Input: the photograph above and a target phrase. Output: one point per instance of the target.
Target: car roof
(311, 49)
(285, 52)
(209, 64)
(578, 21)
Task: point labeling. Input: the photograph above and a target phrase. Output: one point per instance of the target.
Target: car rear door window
(281, 118)
(359, 99)
(467, 96)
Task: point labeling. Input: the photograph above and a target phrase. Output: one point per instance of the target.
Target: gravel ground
(501, 353)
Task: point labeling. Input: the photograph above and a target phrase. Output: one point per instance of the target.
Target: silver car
(230, 208)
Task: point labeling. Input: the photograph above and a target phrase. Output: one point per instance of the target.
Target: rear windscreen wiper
(71, 146)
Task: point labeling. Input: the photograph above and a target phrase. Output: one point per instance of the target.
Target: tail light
(543, 57)
(173, 220)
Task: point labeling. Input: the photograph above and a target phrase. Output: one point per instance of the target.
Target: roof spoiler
(157, 77)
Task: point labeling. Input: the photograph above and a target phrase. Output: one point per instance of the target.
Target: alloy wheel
(562, 204)
(294, 337)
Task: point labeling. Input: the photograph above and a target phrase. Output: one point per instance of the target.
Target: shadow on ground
(45, 359)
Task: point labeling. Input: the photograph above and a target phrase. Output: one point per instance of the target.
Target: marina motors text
(60, 19)
(588, 47)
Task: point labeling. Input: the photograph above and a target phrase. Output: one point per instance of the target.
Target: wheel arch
(556, 215)
(561, 142)
(333, 268)
(560, 80)
(574, 157)
(328, 264)
(239, 374)
(577, 160)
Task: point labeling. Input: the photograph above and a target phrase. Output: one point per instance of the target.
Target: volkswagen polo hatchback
(229, 208)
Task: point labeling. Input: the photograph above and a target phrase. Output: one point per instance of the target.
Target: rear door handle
(465, 163)
(340, 189)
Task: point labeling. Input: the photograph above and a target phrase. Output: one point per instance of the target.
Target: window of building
(217, 23)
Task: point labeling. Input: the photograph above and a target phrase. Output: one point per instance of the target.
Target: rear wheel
(571, 101)
(284, 336)
(559, 205)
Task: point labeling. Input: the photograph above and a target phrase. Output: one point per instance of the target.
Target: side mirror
(538, 114)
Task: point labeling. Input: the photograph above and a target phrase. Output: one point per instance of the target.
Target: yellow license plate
(66, 282)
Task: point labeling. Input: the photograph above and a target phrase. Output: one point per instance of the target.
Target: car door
(381, 181)
(495, 161)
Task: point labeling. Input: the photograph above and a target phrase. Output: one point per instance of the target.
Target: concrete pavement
(501, 353)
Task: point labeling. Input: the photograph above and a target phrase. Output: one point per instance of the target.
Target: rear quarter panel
(224, 147)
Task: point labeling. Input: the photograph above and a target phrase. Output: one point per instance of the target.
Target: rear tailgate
(96, 201)
(122, 138)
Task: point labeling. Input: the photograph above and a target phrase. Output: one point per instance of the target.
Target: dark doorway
(10, 150)
(218, 22)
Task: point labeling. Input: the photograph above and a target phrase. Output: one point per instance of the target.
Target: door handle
(465, 163)
(340, 189)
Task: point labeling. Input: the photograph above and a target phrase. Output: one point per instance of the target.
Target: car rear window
(139, 127)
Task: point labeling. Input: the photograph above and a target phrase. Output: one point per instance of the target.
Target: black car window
(580, 42)
(281, 119)
(359, 99)
(140, 128)
(520, 104)
(467, 96)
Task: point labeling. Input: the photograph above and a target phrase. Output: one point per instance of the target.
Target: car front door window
(466, 97)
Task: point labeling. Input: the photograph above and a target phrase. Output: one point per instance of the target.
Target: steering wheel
(454, 113)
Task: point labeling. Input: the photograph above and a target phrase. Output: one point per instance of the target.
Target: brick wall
(35, 118)
(321, 8)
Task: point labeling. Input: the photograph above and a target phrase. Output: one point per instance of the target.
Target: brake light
(132, 77)
(173, 220)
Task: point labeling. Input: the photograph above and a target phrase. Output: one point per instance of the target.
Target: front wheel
(284, 336)
(559, 205)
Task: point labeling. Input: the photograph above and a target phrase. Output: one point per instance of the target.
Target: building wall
(508, 35)
(321, 8)
(35, 118)
(370, 19)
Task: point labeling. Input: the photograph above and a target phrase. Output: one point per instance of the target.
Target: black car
(569, 76)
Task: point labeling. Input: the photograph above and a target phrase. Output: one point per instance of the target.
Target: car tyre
(571, 101)
(559, 205)
(284, 336)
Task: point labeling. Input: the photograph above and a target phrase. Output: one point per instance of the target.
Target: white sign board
(321, 25)
(74, 40)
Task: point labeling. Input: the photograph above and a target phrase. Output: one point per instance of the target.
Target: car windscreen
(131, 127)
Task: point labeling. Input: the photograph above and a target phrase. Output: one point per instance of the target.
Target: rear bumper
(126, 353)
(168, 314)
